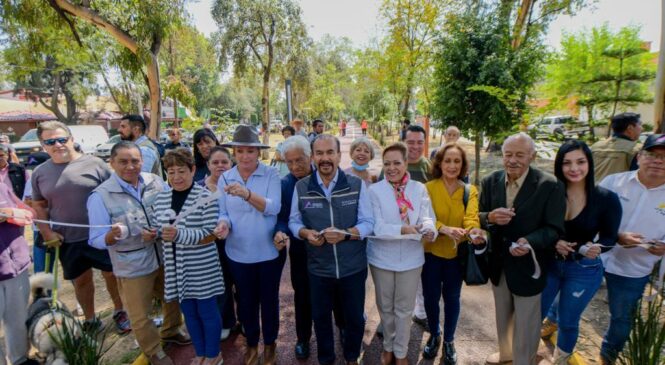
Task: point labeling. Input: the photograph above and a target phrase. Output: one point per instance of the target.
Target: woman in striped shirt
(193, 272)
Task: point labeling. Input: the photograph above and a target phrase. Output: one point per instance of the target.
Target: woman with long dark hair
(204, 140)
(578, 271)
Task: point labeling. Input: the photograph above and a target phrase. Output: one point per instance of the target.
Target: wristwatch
(347, 237)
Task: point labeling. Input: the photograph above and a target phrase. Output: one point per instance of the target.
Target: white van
(88, 137)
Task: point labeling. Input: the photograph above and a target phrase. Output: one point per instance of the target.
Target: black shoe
(449, 354)
(432, 347)
(422, 322)
(302, 350)
(379, 330)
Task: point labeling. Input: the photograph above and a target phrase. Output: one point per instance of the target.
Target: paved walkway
(476, 333)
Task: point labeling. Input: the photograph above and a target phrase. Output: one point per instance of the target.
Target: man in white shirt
(629, 266)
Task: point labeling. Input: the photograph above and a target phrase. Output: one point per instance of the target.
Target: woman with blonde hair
(362, 153)
(395, 256)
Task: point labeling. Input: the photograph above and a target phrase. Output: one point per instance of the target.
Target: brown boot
(252, 355)
(269, 356)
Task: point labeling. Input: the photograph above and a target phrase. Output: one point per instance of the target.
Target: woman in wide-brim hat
(248, 214)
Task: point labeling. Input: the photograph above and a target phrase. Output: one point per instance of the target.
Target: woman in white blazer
(402, 213)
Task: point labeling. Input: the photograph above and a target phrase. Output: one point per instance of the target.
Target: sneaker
(179, 339)
(548, 328)
(92, 325)
(226, 332)
(160, 358)
(122, 324)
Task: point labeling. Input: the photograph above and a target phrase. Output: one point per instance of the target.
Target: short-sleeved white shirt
(644, 213)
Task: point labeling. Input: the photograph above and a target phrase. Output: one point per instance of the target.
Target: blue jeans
(39, 254)
(204, 325)
(227, 302)
(623, 294)
(324, 292)
(575, 282)
(442, 278)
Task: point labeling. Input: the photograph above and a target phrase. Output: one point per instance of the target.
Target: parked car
(103, 151)
(88, 137)
(554, 124)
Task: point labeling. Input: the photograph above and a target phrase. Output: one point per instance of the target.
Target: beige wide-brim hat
(245, 135)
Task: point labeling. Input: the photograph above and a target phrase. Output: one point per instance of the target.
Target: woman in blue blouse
(249, 205)
(578, 271)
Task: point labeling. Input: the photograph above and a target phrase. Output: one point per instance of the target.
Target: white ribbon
(415, 236)
(64, 224)
(536, 271)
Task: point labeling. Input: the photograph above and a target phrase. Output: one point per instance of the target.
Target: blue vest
(341, 211)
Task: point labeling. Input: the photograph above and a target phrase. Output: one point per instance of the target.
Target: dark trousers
(302, 295)
(227, 302)
(442, 278)
(351, 290)
(258, 292)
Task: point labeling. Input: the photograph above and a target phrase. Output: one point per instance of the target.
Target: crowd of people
(211, 239)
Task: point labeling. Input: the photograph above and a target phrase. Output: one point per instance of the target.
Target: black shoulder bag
(475, 268)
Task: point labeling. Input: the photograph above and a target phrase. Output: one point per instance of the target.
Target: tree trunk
(478, 144)
(265, 111)
(659, 93)
(155, 97)
(88, 15)
(520, 22)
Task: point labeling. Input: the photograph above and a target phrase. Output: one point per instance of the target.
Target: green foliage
(412, 27)
(190, 57)
(647, 337)
(79, 346)
(600, 69)
(479, 75)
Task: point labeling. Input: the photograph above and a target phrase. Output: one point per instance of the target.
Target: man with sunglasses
(629, 264)
(60, 189)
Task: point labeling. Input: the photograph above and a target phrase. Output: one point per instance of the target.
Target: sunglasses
(52, 141)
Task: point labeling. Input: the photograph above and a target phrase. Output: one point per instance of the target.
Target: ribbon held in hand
(536, 271)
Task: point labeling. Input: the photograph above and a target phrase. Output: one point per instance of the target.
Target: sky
(359, 19)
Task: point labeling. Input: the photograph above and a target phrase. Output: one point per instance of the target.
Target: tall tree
(480, 75)
(258, 36)
(600, 69)
(411, 33)
(138, 26)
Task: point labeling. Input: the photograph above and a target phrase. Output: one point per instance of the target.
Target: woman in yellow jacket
(442, 273)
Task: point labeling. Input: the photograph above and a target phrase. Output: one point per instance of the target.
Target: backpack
(159, 146)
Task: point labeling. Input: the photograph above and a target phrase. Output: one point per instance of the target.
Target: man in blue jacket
(332, 212)
(297, 155)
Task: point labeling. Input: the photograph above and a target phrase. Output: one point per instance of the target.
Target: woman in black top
(204, 141)
(593, 215)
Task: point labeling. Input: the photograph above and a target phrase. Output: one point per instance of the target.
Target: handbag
(475, 267)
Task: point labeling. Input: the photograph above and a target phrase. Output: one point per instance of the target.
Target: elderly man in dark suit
(523, 209)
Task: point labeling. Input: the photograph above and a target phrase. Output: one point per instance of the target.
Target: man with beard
(132, 128)
(523, 209)
(317, 130)
(332, 212)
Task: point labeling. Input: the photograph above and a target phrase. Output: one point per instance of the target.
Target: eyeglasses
(654, 156)
(52, 141)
